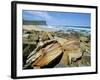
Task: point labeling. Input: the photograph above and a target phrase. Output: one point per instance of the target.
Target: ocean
(65, 28)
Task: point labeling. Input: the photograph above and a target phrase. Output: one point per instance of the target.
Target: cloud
(44, 15)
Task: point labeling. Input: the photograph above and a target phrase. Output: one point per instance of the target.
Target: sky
(58, 18)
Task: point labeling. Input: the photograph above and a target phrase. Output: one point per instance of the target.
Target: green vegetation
(34, 22)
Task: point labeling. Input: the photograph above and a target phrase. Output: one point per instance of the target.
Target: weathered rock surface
(71, 44)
